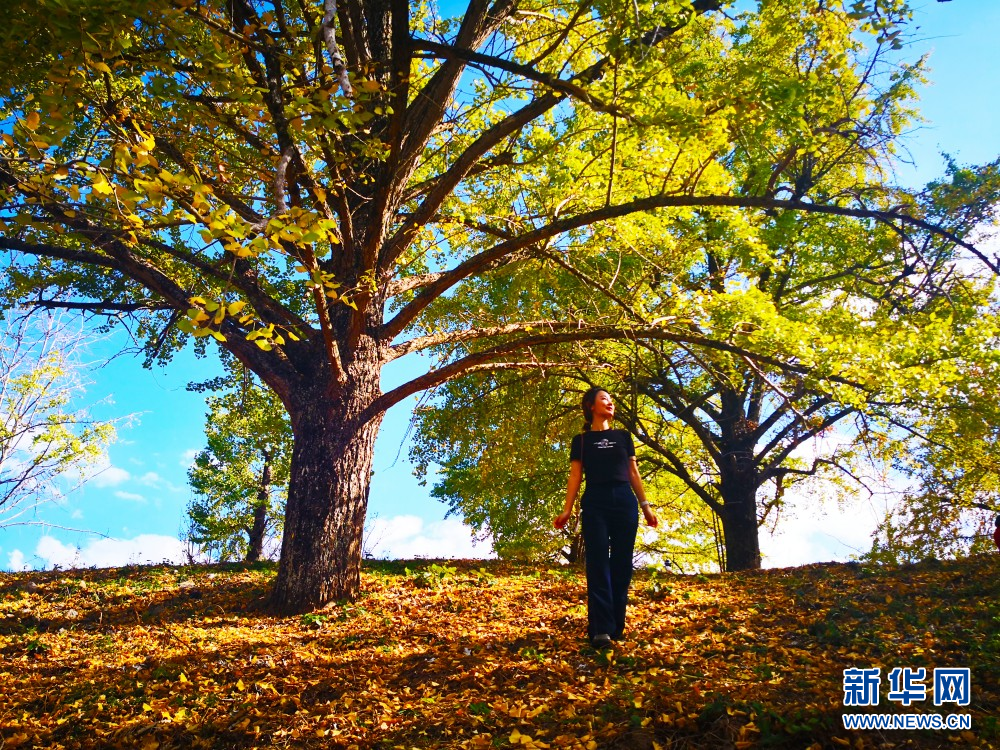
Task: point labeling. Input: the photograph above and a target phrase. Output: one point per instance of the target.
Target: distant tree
(946, 464)
(46, 436)
(241, 477)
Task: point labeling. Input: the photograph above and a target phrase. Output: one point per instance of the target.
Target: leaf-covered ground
(480, 655)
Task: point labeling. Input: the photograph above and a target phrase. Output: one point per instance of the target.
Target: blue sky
(137, 502)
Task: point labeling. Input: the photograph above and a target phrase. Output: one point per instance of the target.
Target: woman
(608, 512)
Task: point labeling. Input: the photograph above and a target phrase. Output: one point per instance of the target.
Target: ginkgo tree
(310, 184)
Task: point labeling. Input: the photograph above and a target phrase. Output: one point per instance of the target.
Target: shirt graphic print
(606, 455)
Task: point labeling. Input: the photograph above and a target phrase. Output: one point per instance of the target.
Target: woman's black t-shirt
(606, 455)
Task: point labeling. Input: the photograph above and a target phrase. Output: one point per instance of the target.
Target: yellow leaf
(183, 677)
(31, 121)
(239, 683)
(235, 307)
(101, 186)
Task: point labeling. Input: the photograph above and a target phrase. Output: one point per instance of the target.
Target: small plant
(313, 621)
(566, 573)
(432, 577)
(530, 652)
(658, 589)
(483, 577)
(36, 647)
(480, 709)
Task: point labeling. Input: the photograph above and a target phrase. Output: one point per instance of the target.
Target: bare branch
(401, 286)
(101, 306)
(466, 334)
(281, 179)
(330, 38)
(62, 253)
(564, 86)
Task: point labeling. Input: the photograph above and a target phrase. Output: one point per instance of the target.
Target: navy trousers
(610, 517)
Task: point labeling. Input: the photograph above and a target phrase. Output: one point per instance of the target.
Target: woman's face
(604, 407)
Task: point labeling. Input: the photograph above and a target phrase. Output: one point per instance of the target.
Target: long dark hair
(587, 404)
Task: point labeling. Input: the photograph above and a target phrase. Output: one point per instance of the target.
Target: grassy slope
(484, 655)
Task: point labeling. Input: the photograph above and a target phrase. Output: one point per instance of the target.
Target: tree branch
(490, 138)
(99, 307)
(561, 333)
(61, 253)
(468, 334)
(330, 39)
(478, 262)
(565, 86)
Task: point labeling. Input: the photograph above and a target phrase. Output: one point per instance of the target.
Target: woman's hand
(562, 519)
(651, 519)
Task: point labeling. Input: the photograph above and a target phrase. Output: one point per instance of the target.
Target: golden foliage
(474, 655)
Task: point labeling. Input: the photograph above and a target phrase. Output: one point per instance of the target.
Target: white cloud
(150, 478)
(188, 456)
(76, 515)
(817, 524)
(110, 476)
(109, 553)
(15, 561)
(130, 496)
(406, 537)
(813, 529)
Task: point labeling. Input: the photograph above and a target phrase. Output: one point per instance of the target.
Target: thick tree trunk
(255, 547)
(328, 489)
(739, 512)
